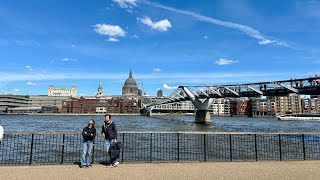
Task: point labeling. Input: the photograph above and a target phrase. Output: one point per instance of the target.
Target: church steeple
(100, 91)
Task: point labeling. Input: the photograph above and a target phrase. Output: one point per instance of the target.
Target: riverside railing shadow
(65, 148)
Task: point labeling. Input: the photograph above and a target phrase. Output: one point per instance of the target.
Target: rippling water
(60, 123)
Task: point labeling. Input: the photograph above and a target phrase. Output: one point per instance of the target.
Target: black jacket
(88, 134)
(109, 130)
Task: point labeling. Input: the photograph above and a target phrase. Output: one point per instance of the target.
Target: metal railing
(66, 148)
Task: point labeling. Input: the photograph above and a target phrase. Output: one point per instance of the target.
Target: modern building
(263, 107)
(71, 92)
(220, 107)
(14, 104)
(310, 105)
(49, 104)
(159, 93)
(288, 104)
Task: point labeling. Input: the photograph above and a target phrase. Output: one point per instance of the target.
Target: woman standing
(88, 134)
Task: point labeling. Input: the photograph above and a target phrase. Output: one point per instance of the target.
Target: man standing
(109, 132)
(88, 134)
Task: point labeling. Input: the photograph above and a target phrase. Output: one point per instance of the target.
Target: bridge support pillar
(203, 117)
(149, 113)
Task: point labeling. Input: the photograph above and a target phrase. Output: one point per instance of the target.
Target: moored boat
(300, 117)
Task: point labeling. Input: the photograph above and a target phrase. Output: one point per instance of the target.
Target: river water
(62, 123)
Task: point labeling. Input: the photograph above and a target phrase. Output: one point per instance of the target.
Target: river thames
(70, 123)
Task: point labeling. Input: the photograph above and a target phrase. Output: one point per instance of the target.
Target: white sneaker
(116, 163)
(109, 165)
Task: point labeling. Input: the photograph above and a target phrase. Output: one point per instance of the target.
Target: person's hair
(92, 121)
(108, 115)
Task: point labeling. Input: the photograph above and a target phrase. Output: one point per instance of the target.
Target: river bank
(112, 114)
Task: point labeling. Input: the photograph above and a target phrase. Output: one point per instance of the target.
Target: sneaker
(83, 166)
(116, 163)
(90, 165)
(109, 165)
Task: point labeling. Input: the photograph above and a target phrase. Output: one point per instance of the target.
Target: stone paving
(289, 170)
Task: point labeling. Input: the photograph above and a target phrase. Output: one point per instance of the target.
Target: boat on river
(300, 117)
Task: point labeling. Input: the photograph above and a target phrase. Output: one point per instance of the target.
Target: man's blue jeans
(86, 157)
(109, 142)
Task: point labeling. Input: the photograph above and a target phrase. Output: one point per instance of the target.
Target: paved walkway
(290, 170)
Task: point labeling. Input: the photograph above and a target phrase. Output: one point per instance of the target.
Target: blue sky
(166, 43)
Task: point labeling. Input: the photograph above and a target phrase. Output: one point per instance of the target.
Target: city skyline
(165, 43)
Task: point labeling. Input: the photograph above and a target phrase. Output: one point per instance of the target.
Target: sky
(165, 43)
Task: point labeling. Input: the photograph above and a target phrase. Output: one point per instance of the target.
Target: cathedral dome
(130, 87)
(130, 82)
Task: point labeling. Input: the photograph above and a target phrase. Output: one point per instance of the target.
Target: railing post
(230, 141)
(31, 151)
(280, 150)
(62, 151)
(122, 147)
(204, 148)
(303, 148)
(150, 147)
(255, 146)
(178, 146)
(92, 156)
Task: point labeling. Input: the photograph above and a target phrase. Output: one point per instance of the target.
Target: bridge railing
(65, 148)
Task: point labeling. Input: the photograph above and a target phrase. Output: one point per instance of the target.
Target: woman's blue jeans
(86, 157)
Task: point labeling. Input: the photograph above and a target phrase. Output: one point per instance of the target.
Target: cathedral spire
(130, 75)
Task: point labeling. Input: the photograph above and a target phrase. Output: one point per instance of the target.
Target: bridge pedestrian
(109, 132)
(88, 134)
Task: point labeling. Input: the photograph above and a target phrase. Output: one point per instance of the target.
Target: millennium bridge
(203, 96)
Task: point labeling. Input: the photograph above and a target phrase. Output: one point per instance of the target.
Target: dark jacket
(109, 130)
(88, 134)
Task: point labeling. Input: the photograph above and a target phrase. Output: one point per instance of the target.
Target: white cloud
(205, 37)
(245, 29)
(16, 90)
(109, 30)
(165, 86)
(162, 25)
(111, 39)
(31, 84)
(135, 36)
(29, 68)
(129, 4)
(266, 41)
(156, 69)
(69, 59)
(222, 61)
(126, 3)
